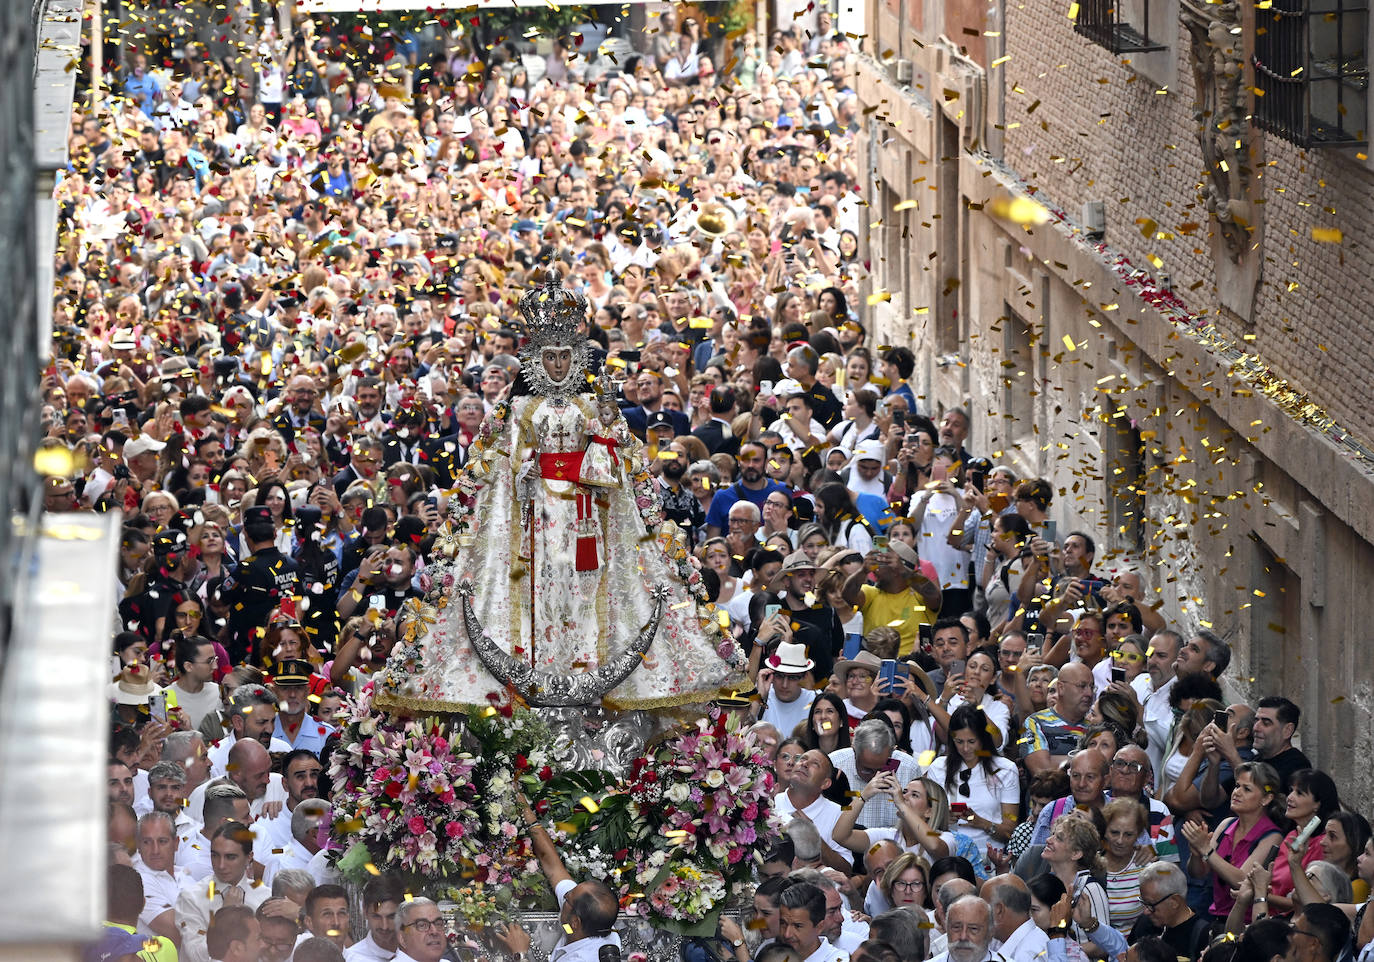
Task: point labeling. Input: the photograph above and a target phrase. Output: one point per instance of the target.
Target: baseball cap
(142, 445)
(660, 419)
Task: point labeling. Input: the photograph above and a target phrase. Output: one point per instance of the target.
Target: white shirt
(787, 715)
(160, 890)
(1158, 719)
(195, 905)
(272, 836)
(826, 952)
(296, 856)
(1027, 944)
(990, 956)
(367, 950)
(276, 792)
(197, 705)
(823, 813)
(219, 754)
(583, 950)
(987, 793)
(193, 855)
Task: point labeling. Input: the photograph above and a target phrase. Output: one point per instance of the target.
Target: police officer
(257, 585)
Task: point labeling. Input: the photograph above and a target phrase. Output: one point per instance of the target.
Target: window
(1123, 454)
(1311, 74)
(1122, 26)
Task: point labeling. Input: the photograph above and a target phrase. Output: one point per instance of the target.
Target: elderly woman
(159, 506)
(1073, 854)
(904, 883)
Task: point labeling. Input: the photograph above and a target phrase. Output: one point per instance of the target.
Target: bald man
(249, 766)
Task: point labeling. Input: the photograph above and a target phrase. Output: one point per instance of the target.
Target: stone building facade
(1187, 358)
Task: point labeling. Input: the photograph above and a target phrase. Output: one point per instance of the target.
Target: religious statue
(563, 584)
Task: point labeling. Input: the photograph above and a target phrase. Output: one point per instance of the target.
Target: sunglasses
(964, 776)
(1130, 656)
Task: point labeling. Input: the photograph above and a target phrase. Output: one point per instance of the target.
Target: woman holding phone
(983, 787)
(922, 819)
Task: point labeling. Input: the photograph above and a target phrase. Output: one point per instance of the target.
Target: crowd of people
(284, 309)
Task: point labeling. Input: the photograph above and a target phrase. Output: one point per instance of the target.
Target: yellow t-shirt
(904, 611)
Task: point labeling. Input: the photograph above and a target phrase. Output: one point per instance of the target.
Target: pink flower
(454, 830)
(416, 824)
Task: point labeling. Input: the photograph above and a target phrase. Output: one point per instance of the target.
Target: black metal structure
(1103, 22)
(1312, 72)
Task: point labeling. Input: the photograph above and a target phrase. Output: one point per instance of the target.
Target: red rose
(545, 773)
(521, 763)
(393, 789)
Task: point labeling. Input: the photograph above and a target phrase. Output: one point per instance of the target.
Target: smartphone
(377, 603)
(976, 479)
(1220, 718)
(157, 707)
(956, 667)
(1035, 640)
(927, 636)
(853, 642)
(1118, 674)
(120, 416)
(1051, 532)
(1269, 859)
(880, 542)
(959, 809)
(888, 673)
(891, 765)
(770, 610)
(899, 417)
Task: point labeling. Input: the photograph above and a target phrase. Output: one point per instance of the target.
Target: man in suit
(408, 442)
(365, 457)
(650, 385)
(716, 433)
(299, 412)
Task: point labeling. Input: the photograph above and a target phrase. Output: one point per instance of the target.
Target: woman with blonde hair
(1073, 853)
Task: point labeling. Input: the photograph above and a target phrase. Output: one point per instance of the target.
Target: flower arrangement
(434, 801)
(679, 832)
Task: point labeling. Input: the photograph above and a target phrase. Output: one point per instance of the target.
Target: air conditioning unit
(1094, 219)
(902, 72)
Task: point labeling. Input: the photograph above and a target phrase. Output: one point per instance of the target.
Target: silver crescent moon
(552, 689)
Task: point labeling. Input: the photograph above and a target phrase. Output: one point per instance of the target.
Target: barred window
(1311, 72)
(1122, 26)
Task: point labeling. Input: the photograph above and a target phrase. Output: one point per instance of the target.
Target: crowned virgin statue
(563, 584)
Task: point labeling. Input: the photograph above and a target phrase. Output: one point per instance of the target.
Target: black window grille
(1106, 24)
(1311, 71)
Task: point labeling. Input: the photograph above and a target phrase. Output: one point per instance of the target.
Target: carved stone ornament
(1221, 112)
(550, 689)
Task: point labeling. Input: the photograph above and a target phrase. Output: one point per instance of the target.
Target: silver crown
(553, 314)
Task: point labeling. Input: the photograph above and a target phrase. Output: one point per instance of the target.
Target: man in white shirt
(225, 802)
(382, 896)
(586, 910)
(1021, 940)
(301, 776)
(231, 852)
(968, 924)
(1158, 715)
(305, 845)
(252, 715)
(811, 776)
(250, 768)
(162, 880)
(420, 932)
(801, 917)
(789, 701)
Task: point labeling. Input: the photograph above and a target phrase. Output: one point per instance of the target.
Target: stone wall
(1243, 519)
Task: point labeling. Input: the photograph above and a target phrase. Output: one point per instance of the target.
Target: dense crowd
(284, 308)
